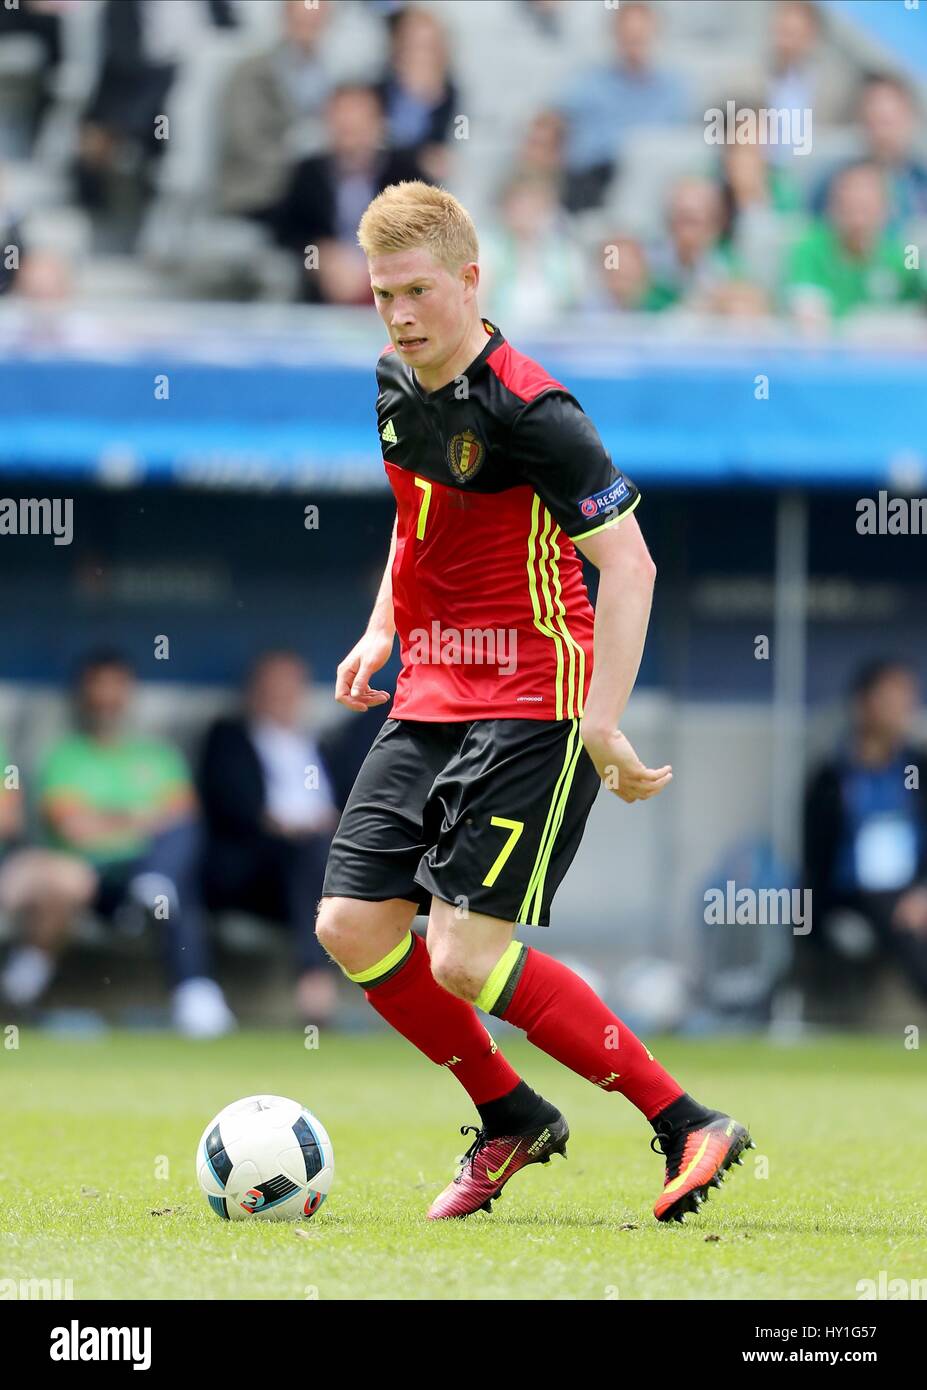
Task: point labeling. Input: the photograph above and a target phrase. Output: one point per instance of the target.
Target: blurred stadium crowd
(208, 148)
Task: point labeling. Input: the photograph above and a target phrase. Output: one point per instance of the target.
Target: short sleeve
(557, 450)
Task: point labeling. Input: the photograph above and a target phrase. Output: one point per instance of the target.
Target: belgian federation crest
(465, 455)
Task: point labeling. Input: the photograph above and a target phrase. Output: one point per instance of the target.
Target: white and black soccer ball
(265, 1158)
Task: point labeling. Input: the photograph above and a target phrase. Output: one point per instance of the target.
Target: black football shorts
(486, 815)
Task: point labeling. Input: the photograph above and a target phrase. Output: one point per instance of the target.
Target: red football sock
(445, 1028)
(566, 1019)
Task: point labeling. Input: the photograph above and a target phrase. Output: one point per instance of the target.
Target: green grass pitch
(97, 1183)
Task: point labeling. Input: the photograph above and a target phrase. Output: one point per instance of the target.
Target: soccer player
(473, 798)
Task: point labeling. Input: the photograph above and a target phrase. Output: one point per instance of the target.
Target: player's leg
(559, 1012)
(370, 898)
(360, 935)
(565, 1018)
(515, 803)
(521, 1127)
(375, 946)
(513, 808)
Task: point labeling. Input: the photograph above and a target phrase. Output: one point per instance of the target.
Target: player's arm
(352, 685)
(559, 452)
(622, 615)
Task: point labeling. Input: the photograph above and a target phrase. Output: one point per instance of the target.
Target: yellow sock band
(498, 977)
(386, 966)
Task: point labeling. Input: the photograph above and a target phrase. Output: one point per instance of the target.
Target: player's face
(423, 305)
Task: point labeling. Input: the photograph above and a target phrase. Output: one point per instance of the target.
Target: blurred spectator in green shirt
(624, 283)
(123, 807)
(851, 261)
(892, 127)
(691, 263)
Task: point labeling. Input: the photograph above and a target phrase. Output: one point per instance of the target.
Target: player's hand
(621, 769)
(352, 684)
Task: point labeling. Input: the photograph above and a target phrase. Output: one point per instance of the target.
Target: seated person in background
(328, 192)
(144, 44)
(540, 149)
(624, 280)
(31, 883)
(851, 261)
(532, 269)
(418, 96)
(690, 264)
(890, 120)
(865, 831)
(803, 71)
(761, 202)
(266, 96)
(123, 805)
(270, 814)
(604, 105)
(626, 286)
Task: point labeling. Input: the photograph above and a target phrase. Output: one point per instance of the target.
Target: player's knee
(455, 974)
(361, 935)
(339, 931)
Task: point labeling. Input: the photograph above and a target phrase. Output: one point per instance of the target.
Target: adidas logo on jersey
(388, 433)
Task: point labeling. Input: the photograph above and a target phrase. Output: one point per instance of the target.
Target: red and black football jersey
(495, 475)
